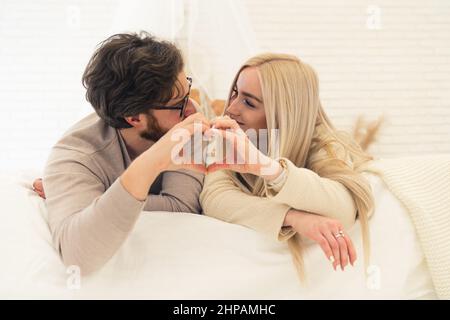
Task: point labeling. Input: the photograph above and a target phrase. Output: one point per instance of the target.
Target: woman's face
(246, 104)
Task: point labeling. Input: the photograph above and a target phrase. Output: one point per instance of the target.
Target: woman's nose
(232, 109)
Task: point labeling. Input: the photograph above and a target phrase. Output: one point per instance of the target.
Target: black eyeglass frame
(181, 106)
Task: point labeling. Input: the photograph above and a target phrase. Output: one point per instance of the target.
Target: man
(117, 162)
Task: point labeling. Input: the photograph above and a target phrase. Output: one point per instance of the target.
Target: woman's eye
(248, 103)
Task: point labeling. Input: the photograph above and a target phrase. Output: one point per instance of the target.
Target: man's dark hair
(130, 72)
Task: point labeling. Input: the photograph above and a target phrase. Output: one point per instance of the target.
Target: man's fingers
(41, 194)
(233, 136)
(191, 127)
(195, 167)
(37, 186)
(218, 166)
(196, 117)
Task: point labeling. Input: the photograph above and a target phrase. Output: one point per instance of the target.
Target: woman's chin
(242, 126)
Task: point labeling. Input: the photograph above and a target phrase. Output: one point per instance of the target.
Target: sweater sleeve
(88, 222)
(221, 198)
(306, 190)
(180, 192)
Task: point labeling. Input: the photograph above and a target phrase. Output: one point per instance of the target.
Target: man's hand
(141, 173)
(170, 146)
(247, 158)
(39, 188)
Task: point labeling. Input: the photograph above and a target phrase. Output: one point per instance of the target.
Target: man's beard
(153, 131)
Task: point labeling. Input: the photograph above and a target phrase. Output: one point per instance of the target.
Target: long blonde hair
(290, 92)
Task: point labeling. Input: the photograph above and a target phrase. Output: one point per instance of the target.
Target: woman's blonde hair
(290, 92)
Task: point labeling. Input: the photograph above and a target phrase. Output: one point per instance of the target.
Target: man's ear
(136, 121)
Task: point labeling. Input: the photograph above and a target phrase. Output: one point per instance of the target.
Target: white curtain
(216, 36)
(219, 38)
(163, 19)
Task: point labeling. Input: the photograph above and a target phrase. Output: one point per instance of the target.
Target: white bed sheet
(185, 256)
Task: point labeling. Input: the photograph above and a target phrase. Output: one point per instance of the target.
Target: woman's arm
(221, 198)
(305, 190)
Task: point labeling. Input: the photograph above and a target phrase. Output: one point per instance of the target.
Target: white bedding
(186, 256)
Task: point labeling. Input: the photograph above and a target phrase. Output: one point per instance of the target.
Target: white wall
(397, 64)
(45, 46)
(401, 69)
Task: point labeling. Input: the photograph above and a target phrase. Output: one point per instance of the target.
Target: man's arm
(180, 192)
(88, 222)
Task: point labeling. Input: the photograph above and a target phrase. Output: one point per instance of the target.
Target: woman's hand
(328, 233)
(247, 158)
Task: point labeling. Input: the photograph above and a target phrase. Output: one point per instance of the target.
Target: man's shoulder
(88, 136)
(90, 144)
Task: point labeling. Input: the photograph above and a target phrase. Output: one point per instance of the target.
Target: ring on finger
(339, 234)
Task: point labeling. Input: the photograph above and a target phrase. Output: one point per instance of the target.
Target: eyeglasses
(181, 106)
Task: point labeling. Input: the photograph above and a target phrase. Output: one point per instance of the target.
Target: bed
(185, 256)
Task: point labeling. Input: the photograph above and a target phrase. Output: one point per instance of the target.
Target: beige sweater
(89, 212)
(226, 198)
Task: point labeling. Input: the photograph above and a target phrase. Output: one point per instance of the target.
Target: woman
(316, 189)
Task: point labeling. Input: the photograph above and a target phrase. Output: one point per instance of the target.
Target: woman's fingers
(343, 252)
(334, 247)
(223, 123)
(351, 249)
(323, 242)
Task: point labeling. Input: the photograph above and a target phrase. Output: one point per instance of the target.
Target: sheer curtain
(219, 38)
(216, 36)
(164, 19)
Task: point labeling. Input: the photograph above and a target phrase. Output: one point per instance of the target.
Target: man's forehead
(181, 89)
